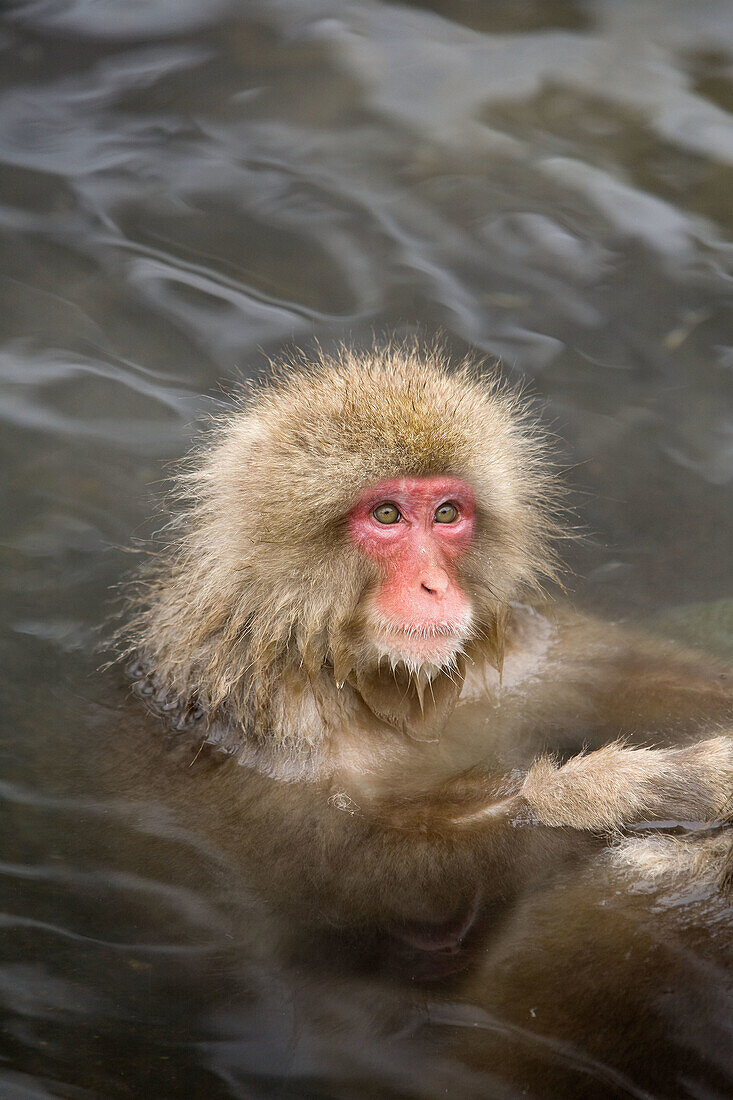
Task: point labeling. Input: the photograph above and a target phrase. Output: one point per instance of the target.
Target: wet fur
(414, 786)
(260, 582)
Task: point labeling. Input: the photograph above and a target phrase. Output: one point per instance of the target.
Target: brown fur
(261, 581)
(410, 790)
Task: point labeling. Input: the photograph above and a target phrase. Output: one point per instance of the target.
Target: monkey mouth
(430, 645)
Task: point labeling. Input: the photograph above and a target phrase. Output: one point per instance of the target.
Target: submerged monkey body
(348, 606)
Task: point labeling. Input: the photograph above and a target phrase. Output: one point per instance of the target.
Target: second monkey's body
(351, 609)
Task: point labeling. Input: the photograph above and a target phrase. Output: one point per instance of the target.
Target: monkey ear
(495, 643)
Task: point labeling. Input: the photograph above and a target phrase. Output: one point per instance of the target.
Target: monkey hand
(617, 785)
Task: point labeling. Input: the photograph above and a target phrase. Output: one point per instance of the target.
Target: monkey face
(416, 529)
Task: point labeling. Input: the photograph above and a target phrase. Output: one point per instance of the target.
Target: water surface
(186, 188)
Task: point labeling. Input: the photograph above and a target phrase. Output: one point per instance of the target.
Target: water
(186, 188)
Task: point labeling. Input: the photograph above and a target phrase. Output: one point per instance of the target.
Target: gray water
(188, 187)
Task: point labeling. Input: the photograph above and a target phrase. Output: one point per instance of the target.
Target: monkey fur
(381, 792)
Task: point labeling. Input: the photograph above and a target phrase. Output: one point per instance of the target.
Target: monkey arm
(428, 856)
(603, 790)
(617, 785)
(385, 858)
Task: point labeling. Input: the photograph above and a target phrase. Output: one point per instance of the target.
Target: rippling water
(187, 187)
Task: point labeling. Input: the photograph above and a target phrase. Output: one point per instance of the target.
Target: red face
(416, 529)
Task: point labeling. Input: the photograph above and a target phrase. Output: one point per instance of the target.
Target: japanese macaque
(352, 608)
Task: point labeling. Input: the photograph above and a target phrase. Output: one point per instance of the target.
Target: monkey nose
(435, 581)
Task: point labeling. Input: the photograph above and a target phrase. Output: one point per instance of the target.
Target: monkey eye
(387, 513)
(446, 513)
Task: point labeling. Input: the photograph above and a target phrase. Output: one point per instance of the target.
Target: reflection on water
(184, 186)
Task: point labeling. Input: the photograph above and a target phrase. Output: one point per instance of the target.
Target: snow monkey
(352, 610)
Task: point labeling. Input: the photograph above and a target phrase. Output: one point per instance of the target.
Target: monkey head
(359, 522)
